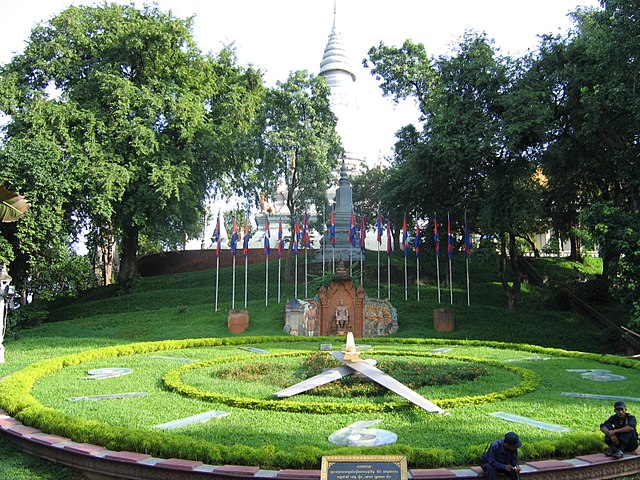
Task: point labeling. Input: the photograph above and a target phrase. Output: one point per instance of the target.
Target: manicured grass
(181, 306)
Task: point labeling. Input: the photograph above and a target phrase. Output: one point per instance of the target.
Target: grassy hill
(181, 306)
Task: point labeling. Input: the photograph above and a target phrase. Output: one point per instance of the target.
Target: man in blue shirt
(502, 457)
(620, 433)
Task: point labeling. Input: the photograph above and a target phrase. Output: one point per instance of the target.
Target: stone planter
(238, 321)
(443, 320)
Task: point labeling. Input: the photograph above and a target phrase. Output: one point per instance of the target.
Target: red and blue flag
(449, 239)
(418, 240)
(332, 228)
(280, 239)
(245, 240)
(234, 238)
(267, 243)
(405, 237)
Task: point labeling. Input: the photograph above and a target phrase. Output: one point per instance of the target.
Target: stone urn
(443, 320)
(238, 321)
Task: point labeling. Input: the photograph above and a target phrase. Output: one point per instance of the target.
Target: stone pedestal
(341, 295)
(237, 321)
(443, 320)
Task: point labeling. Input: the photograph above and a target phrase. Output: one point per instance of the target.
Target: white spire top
(335, 65)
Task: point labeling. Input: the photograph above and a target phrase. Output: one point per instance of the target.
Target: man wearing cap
(620, 433)
(502, 457)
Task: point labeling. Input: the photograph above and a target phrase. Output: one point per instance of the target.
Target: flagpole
(295, 280)
(266, 280)
(217, 258)
(305, 273)
(438, 275)
(324, 236)
(436, 241)
(449, 255)
(279, 270)
(233, 283)
(418, 277)
(389, 277)
(406, 280)
(417, 249)
(234, 240)
(246, 263)
(467, 245)
(217, 277)
(378, 270)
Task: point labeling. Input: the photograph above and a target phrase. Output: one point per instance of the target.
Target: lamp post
(6, 294)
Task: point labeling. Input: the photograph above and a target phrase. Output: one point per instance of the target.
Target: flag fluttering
(405, 237)
(332, 228)
(389, 249)
(234, 238)
(352, 229)
(449, 239)
(267, 236)
(417, 241)
(280, 239)
(217, 235)
(296, 236)
(379, 226)
(245, 240)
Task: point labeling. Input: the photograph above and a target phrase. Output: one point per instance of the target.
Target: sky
(281, 36)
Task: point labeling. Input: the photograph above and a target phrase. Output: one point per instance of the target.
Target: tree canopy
(135, 123)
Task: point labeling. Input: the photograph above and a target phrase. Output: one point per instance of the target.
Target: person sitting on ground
(620, 432)
(502, 457)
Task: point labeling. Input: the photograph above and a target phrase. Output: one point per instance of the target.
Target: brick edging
(104, 463)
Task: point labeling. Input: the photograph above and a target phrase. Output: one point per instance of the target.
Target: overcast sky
(281, 36)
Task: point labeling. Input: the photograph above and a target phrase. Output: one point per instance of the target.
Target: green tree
(473, 151)
(146, 122)
(299, 144)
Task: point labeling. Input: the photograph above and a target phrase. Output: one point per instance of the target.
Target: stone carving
(342, 317)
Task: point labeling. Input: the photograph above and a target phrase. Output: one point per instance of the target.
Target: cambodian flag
(418, 240)
(305, 231)
(436, 237)
(217, 235)
(449, 239)
(467, 240)
(296, 236)
(379, 225)
(363, 231)
(352, 229)
(332, 228)
(234, 238)
(280, 239)
(267, 243)
(405, 237)
(245, 240)
(388, 238)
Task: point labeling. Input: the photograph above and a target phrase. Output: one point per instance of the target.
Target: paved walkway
(99, 462)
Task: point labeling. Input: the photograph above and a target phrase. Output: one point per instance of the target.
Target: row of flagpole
(355, 237)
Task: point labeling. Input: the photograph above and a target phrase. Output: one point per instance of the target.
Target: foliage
(141, 122)
(299, 144)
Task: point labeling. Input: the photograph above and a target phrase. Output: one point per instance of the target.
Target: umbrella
(12, 205)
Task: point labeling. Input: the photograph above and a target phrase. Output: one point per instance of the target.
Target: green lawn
(181, 307)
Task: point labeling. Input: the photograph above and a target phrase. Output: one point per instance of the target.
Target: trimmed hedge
(17, 400)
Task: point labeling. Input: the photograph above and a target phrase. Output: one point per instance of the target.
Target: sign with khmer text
(364, 467)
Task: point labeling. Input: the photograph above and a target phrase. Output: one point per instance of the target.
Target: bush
(595, 290)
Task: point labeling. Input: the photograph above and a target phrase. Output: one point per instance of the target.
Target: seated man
(502, 457)
(620, 433)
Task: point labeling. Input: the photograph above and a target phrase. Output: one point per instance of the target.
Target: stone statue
(342, 315)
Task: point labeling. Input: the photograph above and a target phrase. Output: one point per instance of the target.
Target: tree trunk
(575, 254)
(512, 291)
(128, 262)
